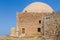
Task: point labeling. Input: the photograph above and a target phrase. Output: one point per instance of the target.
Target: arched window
(39, 21)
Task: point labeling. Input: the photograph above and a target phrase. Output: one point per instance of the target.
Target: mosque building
(31, 20)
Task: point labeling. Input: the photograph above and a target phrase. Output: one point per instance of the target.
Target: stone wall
(51, 25)
(29, 21)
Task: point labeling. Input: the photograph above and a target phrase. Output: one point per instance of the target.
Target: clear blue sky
(8, 9)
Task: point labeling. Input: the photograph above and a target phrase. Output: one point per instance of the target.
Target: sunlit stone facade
(35, 22)
(29, 23)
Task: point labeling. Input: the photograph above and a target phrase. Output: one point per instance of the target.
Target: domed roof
(38, 7)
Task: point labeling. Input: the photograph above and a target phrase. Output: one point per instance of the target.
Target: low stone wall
(29, 38)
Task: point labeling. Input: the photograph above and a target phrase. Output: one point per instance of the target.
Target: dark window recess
(23, 30)
(39, 29)
(39, 21)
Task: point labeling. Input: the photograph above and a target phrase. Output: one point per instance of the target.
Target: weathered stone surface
(50, 26)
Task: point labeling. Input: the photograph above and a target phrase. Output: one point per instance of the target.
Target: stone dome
(38, 7)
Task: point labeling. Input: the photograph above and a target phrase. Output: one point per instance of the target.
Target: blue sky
(8, 9)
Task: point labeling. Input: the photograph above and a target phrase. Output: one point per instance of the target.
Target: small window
(23, 30)
(39, 29)
(39, 21)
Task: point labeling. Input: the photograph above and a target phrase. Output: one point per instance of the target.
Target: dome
(38, 7)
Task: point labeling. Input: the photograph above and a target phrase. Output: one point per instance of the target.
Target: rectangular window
(23, 30)
(39, 21)
(39, 29)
